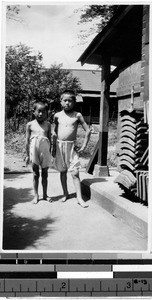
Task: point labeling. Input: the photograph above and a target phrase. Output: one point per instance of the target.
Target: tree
(97, 16)
(22, 77)
(13, 12)
(27, 81)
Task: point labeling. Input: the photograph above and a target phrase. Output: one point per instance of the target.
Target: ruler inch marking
(135, 286)
(116, 287)
(68, 285)
(132, 284)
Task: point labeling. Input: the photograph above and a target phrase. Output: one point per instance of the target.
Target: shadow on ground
(59, 197)
(20, 228)
(86, 188)
(19, 232)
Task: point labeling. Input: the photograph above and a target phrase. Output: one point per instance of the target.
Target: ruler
(25, 277)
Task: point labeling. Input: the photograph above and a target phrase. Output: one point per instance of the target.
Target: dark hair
(35, 105)
(69, 92)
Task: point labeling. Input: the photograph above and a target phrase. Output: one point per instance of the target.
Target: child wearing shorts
(64, 139)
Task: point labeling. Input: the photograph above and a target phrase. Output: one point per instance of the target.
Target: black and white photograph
(74, 142)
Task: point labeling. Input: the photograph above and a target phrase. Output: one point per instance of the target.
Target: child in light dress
(38, 148)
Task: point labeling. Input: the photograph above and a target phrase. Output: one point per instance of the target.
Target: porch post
(101, 168)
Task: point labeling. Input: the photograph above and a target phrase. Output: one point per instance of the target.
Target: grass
(15, 142)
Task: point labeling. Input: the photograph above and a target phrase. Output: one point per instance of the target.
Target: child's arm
(28, 133)
(87, 132)
(55, 135)
(49, 134)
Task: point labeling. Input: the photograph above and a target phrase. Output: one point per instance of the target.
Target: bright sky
(51, 29)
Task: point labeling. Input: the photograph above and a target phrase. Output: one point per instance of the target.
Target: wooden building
(89, 96)
(124, 43)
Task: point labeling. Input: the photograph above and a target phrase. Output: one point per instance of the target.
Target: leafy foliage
(27, 81)
(13, 13)
(22, 79)
(97, 16)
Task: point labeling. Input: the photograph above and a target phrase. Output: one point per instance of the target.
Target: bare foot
(64, 198)
(36, 199)
(47, 198)
(82, 203)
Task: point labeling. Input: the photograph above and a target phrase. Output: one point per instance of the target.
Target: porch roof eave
(90, 55)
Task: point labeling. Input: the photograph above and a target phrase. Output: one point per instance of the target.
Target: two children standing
(38, 145)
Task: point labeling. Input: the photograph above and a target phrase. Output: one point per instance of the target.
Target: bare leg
(35, 183)
(77, 184)
(63, 178)
(44, 184)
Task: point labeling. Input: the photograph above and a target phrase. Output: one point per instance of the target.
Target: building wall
(145, 62)
(130, 87)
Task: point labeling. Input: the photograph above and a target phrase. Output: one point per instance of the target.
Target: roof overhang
(120, 39)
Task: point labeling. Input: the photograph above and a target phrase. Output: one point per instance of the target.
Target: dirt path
(60, 226)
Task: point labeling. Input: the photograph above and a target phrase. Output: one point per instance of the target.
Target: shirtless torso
(67, 125)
